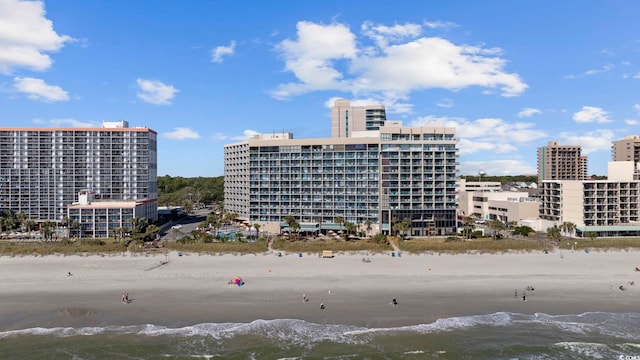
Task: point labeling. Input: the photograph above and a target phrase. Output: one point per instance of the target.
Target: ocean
(594, 335)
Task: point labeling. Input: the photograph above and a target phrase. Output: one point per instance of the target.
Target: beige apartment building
(561, 162)
(374, 176)
(608, 208)
(627, 149)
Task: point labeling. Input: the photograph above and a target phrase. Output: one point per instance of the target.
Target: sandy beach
(191, 289)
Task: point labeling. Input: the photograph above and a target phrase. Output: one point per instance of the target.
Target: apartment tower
(370, 171)
(44, 170)
(561, 162)
(627, 149)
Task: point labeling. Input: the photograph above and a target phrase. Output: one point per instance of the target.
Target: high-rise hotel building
(43, 170)
(370, 170)
(561, 162)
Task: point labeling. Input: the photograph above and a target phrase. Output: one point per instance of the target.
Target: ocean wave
(618, 325)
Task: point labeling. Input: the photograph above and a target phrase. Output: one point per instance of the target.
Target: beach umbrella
(238, 281)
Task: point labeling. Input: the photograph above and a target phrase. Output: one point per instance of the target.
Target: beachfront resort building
(371, 171)
(43, 171)
(607, 208)
(561, 162)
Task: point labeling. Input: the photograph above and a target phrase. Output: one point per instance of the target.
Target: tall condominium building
(561, 162)
(627, 149)
(371, 176)
(608, 208)
(43, 170)
(345, 119)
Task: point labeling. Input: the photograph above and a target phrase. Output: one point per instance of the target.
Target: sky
(508, 75)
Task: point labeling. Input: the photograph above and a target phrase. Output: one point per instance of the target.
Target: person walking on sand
(515, 293)
(322, 306)
(394, 302)
(304, 298)
(126, 297)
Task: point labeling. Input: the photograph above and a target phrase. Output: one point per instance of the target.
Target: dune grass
(415, 245)
(422, 245)
(319, 245)
(233, 247)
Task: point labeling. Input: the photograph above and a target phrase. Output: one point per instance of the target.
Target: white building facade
(43, 169)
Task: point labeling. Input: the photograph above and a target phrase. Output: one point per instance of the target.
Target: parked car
(177, 226)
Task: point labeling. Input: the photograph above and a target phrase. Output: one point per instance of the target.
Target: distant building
(42, 170)
(561, 162)
(505, 206)
(628, 149)
(370, 170)
(608, 208)
(346, 119)
(97, 219)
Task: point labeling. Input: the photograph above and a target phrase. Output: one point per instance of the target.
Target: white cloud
(329, 57)
(71, 123)
(246, 134)
(486, 130)
(636, 107)
(528, 112)
(604, 68)
(220, 52)
(440, 24)
(469, 147)
(632, 122)
(181, 133)
(445, 103)
(37, 89)
(26, 36)
(382, 35)
(592, 141)
(155, 92)
(497, 167)
(590, 114)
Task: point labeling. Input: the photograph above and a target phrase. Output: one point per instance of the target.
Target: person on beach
(515, 293)
(394, 302)
(69, 274)
(124, 298)
(322, 306)
(524, 296)
(304, 298)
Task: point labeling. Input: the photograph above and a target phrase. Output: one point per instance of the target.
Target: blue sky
(509, 75)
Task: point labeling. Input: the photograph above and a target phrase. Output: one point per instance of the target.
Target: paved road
(189, 223)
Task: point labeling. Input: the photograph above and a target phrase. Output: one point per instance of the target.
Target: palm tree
(496, 226)
(351, 227)
(469, 225)
(568, 228)
(554, 233)
(257, 227)
(339, 220)
(367, 225)
(293, 224)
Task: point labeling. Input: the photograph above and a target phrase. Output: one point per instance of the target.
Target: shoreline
(193, 288)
